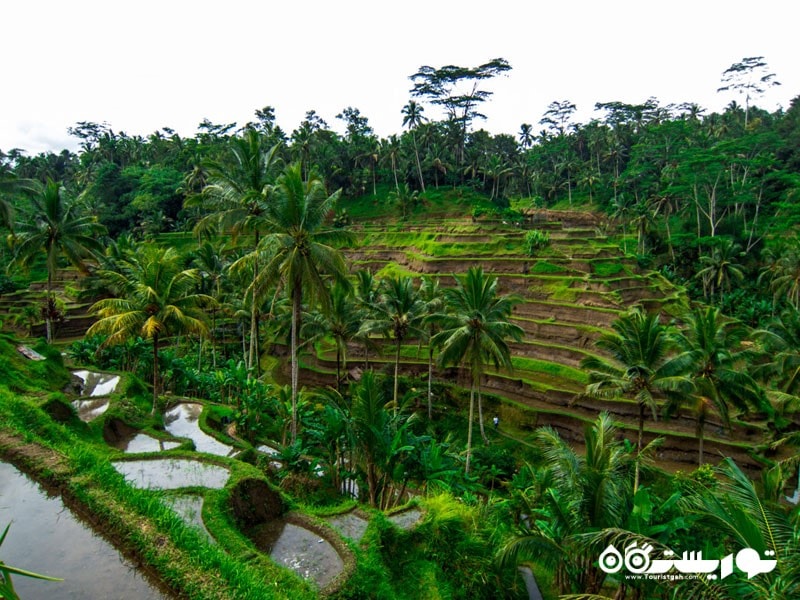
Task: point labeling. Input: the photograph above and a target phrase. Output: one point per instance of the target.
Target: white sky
(143, 65)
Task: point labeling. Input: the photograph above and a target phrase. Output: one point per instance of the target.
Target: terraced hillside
(571, 293)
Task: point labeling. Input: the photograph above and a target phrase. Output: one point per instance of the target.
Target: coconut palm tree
(576, 494)
(300, 252)
(398, 314)
(640, 366)
(720, 269)
(341, 321)
(717, 372)
(475, 332)
(156, 299)
(779, 360)
(54, 228)
(237, 194)
(748, 519)
(412, 117)
(784, 275)
(432, 297)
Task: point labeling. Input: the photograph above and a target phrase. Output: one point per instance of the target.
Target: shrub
(536, 240)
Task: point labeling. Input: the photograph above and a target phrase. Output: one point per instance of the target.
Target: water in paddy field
(299, 549)
(182, 421)
(95, 384)
(141, 442)
(46, 538)
(171, 473)
(95, 388)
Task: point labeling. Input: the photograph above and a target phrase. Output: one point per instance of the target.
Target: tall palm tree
(720, 381)
(300, 252)
(398, 314)
(237, 194)
(720, 269)
(341, 321)
(641, 366)
(55, 227)
(412, 117)
(432, 297)
(526, 136)
(475, 332)
(367, 294)
(156, 299)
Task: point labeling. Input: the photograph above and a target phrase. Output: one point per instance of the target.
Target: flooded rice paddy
(47, 538)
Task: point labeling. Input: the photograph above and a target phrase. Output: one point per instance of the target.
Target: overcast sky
(140, 66)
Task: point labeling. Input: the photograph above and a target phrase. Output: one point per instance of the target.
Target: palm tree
(748, 519)
(780, 355)
(237, 194)
(341, 321)
(367, 295)
(156, 299)
(784, 275)
(526, 135)
(576, 494)
(298, 252)
(398, 313)
(432, 297)
(640, 367)
(719, 379)
(412, 116)
(720, 269)
(11, 184)
(56, 227)
(475, 331)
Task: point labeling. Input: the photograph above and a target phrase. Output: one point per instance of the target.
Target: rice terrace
(256, 364)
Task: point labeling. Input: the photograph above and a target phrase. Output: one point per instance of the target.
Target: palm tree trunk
(419, 167)
(700, 439)
(430, 383)
(396, 374)
(469, 426)
(296, 296)
(338, 367)
(639, 447)
(155, 373)
(253, 358)
(480, 416)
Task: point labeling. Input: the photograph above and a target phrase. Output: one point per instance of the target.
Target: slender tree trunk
(296, 297)
(469, 426)
(338, 367)
(254, 359)
(396, 373)
(480, 416)
(155, 373)
(700, 439)
(49, 303)
(419, 167)
(430, 382)
(639, 447)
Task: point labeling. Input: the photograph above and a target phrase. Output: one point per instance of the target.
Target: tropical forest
(558, 362)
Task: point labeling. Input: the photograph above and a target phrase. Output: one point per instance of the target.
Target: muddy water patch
(349, 524)
(172, 473)
(183, 421)
(45, 537)
(299, 549)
